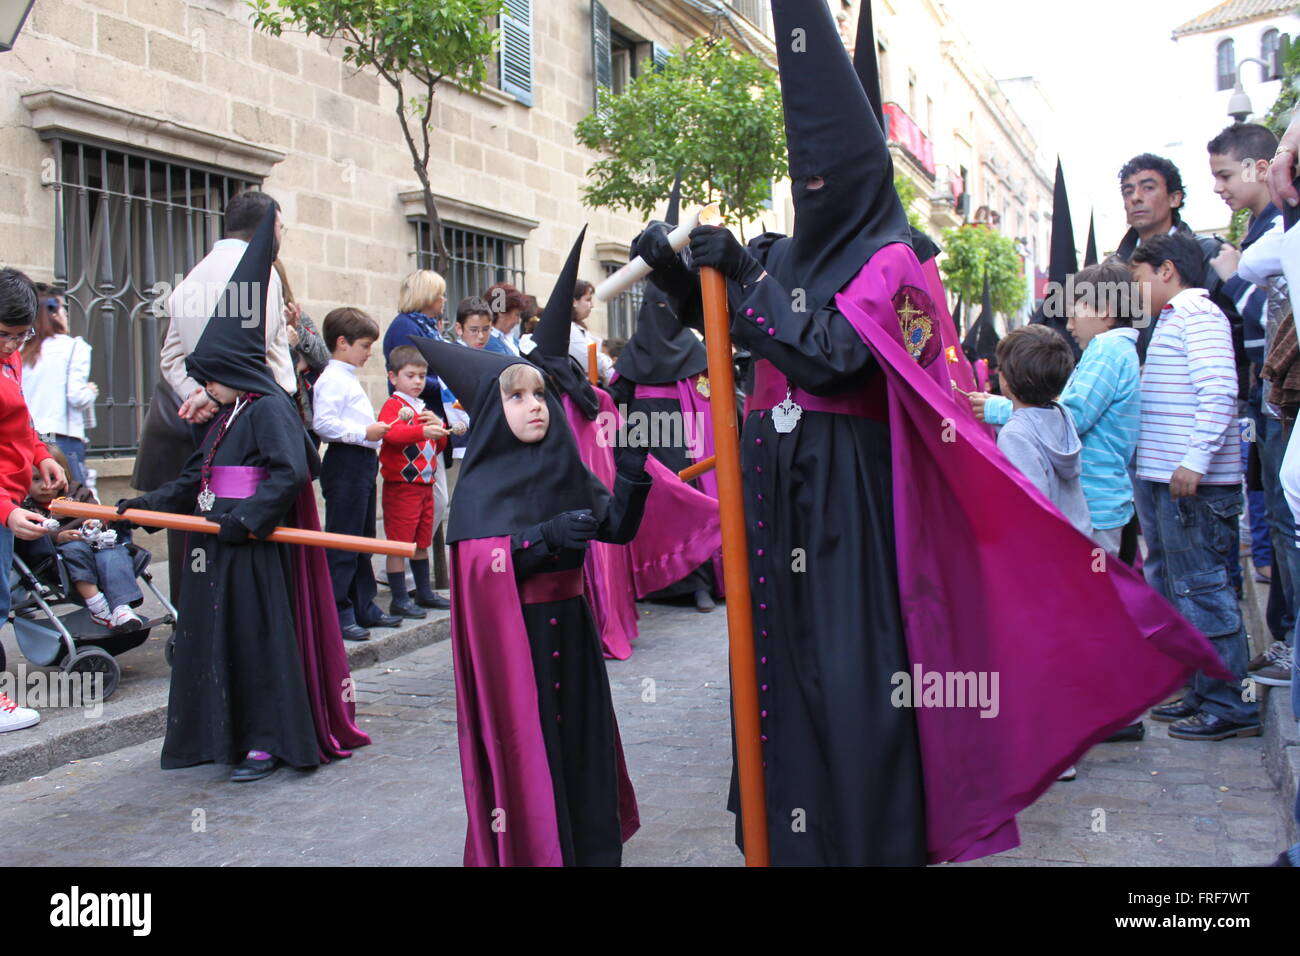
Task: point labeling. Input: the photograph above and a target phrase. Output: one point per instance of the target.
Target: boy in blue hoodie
(1040, 439)
(1103, 395)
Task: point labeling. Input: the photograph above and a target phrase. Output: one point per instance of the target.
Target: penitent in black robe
(237, 676)
(573, 698)
(842, 765)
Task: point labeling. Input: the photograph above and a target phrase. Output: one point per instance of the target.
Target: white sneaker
(103, 620)
(13, 717)
(1069, 774)
(124, 619)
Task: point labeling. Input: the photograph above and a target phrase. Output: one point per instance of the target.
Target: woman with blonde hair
(420, 304)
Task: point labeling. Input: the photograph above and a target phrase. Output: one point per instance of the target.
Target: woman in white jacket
(56, 380)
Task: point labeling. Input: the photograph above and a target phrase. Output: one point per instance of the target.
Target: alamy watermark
(942, 689)
(38, 688)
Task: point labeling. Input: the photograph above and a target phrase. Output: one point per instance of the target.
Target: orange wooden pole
(699, 468)
(166, 519)
(735, 568)
(593, 368)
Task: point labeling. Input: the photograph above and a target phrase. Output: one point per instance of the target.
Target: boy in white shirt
(344, 417)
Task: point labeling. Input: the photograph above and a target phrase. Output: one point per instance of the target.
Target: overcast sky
(1090, 60)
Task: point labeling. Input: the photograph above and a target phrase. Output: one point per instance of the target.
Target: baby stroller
(39, 583)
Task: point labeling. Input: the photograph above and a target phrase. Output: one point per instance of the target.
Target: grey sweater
(1044, 446)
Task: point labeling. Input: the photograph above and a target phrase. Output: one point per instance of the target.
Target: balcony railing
(903, 131)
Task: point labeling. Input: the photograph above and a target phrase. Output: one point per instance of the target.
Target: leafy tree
(710, 112)
(906, 190)
(414, 45)
(973, 248)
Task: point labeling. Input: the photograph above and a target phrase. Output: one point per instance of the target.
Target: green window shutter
(602, 68)
(517, 50)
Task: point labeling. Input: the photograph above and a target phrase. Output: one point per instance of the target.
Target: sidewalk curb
(1282, 752)
(66, 740)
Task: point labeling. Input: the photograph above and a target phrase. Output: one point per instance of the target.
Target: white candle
(638, 268)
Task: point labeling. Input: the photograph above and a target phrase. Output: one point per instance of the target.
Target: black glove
(124, 504)
(652, 246)
(629, 461)
(572, 530)
(233, 531)
(125, 525)
(717, 247)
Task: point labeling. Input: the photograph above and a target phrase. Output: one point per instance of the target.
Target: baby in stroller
(96, 561)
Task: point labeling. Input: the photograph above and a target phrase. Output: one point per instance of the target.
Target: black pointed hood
(232, 349)
(673, 214)
(506, 485)
(1090, 251)
(1064, 260)
(551, 338)
(981, 341)
(832, 131)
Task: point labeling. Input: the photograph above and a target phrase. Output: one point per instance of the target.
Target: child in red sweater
(408, 462)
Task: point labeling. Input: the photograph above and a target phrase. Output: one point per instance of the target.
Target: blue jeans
(1261, 537)
(1285, 564)
(74, 449)
(110, 570)
(6, 563)
(1194, 537)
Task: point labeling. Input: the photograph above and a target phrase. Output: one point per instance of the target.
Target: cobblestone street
(399, 802)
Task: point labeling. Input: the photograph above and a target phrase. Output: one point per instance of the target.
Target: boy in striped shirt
(1189, 470)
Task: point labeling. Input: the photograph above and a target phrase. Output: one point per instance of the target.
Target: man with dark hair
(163, 446)
(1189, 473)
(1153, 193)
(1239, 157)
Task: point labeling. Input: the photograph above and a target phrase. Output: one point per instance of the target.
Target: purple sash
(769, 391)
(236, 481)
(552, 586)
(656, 391)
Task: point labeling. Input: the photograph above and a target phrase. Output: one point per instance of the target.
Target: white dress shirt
(191, 305)
(57, 387)
(341, 410)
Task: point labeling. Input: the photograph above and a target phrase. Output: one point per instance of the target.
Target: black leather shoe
(250, 770)
(355, 632)
(1174, 710)
(385, 620)
(1124, 734)
(1205, 726)
(406, 610)
(432, 600)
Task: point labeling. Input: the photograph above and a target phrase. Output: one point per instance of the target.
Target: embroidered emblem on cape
(916, 320)
(702, 386)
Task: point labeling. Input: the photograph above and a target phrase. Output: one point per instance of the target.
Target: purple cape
(681, 530)
(700, 410)
(503, 763)
(320, 642)
(994, 581)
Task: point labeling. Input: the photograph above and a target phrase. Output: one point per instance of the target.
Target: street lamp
(1239, 107)
(13, 14)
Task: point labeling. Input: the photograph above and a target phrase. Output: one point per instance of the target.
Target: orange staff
(699, 468)
(166, 519)
(735, 568)
(593, 372)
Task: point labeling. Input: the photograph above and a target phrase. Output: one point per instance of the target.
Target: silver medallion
(206, 499)
(786, 415)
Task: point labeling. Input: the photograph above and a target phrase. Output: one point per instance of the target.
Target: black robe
(574, 703)
(842, 765)
(675, 458)
(237, 675)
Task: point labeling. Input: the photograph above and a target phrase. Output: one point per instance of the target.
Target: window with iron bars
(128, 227)
(622, 311)
(477, 261)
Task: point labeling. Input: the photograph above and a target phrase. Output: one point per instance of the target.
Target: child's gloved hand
(572, 530)
(233, 531)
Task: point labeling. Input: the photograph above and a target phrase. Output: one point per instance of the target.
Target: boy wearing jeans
(1189, 473)
(343, 417)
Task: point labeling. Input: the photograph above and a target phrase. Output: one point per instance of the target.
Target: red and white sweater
(406, 455)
